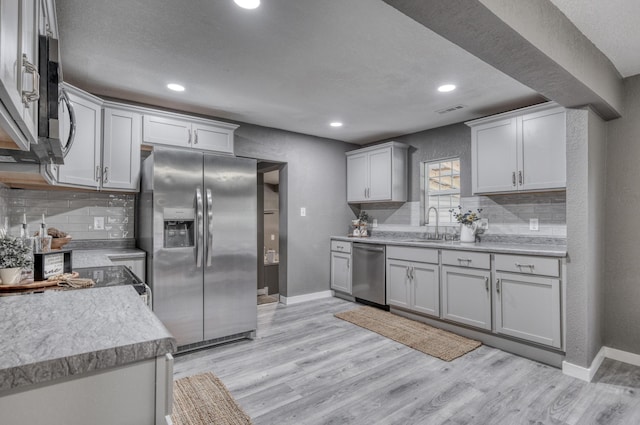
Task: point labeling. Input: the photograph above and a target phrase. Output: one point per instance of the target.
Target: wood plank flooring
(306, 367)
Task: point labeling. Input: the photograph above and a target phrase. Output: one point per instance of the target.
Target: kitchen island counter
(55, 335)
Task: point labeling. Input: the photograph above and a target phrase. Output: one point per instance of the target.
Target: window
(441, 182)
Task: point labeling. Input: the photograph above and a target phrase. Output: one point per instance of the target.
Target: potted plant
(14, 255)
(468, 223)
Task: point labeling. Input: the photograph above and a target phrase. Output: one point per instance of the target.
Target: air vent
(450, 109)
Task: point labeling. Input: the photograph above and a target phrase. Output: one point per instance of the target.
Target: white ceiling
(290, 64)
(612, 26)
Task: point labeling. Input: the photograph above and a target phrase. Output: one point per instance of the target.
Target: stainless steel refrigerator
(198, 224)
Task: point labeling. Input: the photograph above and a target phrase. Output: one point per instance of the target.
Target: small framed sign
(47, 264)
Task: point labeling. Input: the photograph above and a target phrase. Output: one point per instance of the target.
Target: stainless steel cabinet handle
(513, 178)
(486, 283)
(105, 175)
(413, 273)
(348, 262)
(200, 228)
(520, 178)
(189, 140)
(97, 173)
(498, 286)
(209, 228)
(33, 95)
(531, 266)
(464, 260)
(407, 273)
(195, 137)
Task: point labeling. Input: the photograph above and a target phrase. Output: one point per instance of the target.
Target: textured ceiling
(612, 26)
(290, 64)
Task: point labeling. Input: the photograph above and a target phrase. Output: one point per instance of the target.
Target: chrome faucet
(437, 220)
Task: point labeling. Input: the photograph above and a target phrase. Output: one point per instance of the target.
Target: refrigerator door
(230, 275)
(177, 259)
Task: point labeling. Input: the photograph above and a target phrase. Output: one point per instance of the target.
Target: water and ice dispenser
(179, 227)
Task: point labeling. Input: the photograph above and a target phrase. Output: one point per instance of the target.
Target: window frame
(424, 190)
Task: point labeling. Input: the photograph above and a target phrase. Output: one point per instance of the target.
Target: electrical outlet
(533, 224)
(303, 212)
(484, 224)
(273, 237)
(98, 223)
(375, 223)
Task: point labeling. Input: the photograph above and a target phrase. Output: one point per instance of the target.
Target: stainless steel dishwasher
(368, 279)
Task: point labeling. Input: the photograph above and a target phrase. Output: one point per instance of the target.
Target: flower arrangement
(363, 217)
(466, 218)
(14, 254)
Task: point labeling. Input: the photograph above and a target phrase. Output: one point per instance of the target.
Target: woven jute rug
(204, 400)
(419, 336)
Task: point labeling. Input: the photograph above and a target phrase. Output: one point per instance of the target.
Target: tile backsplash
(71, 212)
(507, 214)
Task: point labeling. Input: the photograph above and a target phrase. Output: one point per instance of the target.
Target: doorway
(271, 240)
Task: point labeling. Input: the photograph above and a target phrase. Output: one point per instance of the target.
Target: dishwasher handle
(368, 248)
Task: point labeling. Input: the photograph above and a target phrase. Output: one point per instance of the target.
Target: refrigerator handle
(200, 228)
(209, 227)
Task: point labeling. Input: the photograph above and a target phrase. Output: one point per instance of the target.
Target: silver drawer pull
(466, 260)
(531, 266)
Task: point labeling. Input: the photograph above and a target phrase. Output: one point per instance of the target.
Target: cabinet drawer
(423, 255)
(341, 246)
(528, 265)
(478, 260)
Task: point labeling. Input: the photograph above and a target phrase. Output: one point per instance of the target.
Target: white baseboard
(587, 374)
(584, 373)
(306, 297)
(622, 356)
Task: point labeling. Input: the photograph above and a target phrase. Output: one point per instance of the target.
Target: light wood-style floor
(306, 367)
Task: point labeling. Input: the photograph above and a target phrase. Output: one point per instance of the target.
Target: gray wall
(586, 161)
(622, 296)
(314, 178)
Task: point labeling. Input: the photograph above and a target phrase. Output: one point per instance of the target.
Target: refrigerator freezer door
(177, 280)
(230, 273)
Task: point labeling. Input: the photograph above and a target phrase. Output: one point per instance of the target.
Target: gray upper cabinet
(121, 138)
(377, 173)
(188, 132)
(527, 303)
(524, 150)
(19, 26)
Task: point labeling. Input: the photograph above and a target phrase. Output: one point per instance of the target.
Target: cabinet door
(166, 131)
(379, 175)
(398, 283)
(82, 163)
(121, 149)
(426, 288)
(528, 307)
(357, 179)
(341, 272)
(543, 159)
(466, 296)
(494, 156)
(212, 138)
(29, 41)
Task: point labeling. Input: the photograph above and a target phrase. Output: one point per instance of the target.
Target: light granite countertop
(550, 250)
(100, 257)
(60, 334)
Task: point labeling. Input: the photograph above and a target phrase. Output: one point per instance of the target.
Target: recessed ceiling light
(446, 88)
(175, 87)
(247, 4)
(336, 124)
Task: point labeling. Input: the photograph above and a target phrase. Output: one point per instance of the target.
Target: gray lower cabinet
(466, 296)
(341, 272)
(414, 286)
(528, 307)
